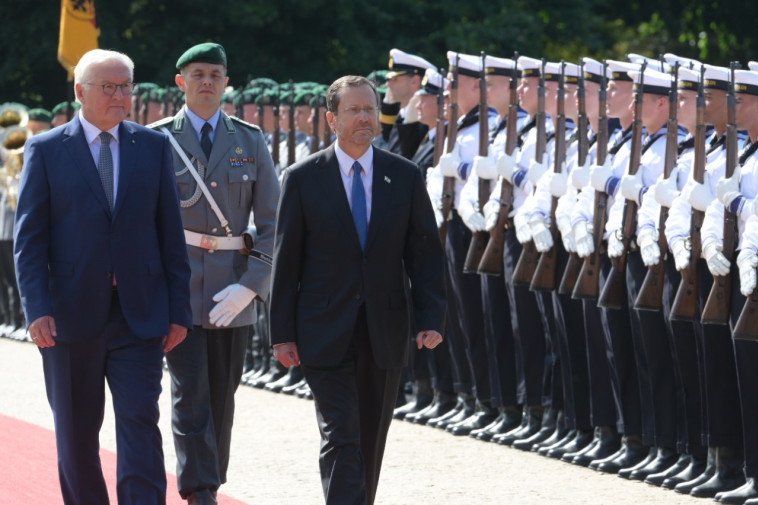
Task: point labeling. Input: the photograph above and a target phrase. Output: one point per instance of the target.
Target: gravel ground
(275, 451)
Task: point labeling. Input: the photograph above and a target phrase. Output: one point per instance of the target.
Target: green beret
(62, 107)
(154, 95)
(229, 97)
(141, 87)
(379, 78)
(207, 52)
(247, 96)
(40, 115)
(303, 97)
(268, 97)
(319, 99)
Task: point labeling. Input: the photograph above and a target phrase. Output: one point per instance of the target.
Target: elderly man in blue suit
(104, 277)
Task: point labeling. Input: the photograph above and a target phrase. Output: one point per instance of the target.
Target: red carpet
(28, 465)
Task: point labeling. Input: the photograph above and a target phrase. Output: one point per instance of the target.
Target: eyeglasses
(109, 89)
(354, 111)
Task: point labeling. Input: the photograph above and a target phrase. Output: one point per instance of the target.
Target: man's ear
(330, 120)
(179, 80)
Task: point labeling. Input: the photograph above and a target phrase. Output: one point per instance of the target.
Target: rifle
(291, 134)
(479, 239)
(574, 265)
(492, 259)
(544, 277)
(717, 307)
(276, 133)
(448, 183)
(239, 107)
(685, 306)
(612, 295)
(166, 99)
(587, 284)
(315, 124)
(439, 129)
(650, 295)
(527, 261)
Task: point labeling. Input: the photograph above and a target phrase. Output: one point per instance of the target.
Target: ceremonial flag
(78, 33)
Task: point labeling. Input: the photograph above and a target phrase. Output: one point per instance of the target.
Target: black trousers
(354, 402)
(501, 350)
(205, 372)
(529, 332)
(602, 406)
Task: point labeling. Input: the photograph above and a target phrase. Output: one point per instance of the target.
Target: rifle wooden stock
(291, 134)
(479, 239)
(587, 284)
(448, 183)
(492, 259)
(546, 274)
(527, 261)
(747, 324)
(717, 307)
(570, 274)
(612, 294)
(650, 295)
(686, 301)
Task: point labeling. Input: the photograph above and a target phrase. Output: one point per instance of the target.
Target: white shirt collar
(91, 132)
(346, 162)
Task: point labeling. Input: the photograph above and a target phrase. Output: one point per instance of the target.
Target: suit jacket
(424, 156)
(240, 176)
(68, 244)
(321, 276)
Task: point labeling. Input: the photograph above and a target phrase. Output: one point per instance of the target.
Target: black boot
(567, 437)
(532, 426)
(422, 398)
(657, 478)
(695, 468)
(293, 376)
(626, 472)
(581, 440)
(467, 410)
(556, 436)
(708, 472)
(608, 442)
(292, 389)
(484, 416)
(729, 473)
(441, 404)
(740, 495)
(632, 453)
(664, 458)
(450, 413)
(509, 419)
(547, 428)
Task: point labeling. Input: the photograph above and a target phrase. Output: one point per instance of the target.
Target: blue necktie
(105, 167)
(359, 205)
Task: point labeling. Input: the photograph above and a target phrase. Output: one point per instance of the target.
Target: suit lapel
(331, 179)
(127, 147)
(76, 144)
(380, 194)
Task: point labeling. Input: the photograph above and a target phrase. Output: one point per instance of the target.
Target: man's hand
(631, 186)
(583, 239)
(681, 253)
(700, 196)
(666, 190)
(176, 335)
(650, 251)
(599, 175)
(287, 354)
(411, 112)
(491, 211)
(747, 260)
(42, 330)
(543, 239)
(231, 301)
(506, 165)
(580, 176)
(449, 163)
(485, 168)
(536, 169)
(615, 246)
(717, 263)
(428, 338)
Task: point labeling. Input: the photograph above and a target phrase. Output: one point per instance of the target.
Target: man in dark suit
(103, 273)
(352, 220)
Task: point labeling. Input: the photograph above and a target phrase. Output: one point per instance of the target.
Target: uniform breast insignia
(238, 150)
(238, 162)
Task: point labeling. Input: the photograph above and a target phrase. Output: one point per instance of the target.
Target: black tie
(205, 140)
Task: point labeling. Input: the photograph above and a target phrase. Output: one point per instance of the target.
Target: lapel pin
(387, 179)
(134, 141)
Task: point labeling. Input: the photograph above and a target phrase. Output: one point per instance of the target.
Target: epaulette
(161, 122)
(244, 123)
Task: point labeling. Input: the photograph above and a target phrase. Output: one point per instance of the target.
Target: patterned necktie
(359, 205)
(205, 140)
(105, 167)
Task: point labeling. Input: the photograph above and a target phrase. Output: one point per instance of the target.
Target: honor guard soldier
(63, 112)
(400, 126)
(226, 183)
(39, 120)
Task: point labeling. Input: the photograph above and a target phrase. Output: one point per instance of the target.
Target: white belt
(212, 242)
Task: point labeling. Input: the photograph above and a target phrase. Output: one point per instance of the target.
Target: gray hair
(348, 81)
(96, 57)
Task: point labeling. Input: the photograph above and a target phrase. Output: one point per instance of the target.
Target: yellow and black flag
(78, 34)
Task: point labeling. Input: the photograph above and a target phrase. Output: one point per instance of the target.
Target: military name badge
(238, 162)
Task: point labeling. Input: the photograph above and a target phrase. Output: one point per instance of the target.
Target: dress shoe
(441, 404)
(293, 376)
(533, 424)
(625, 472)
(484, 416)
(304, 392)
(729, 474)
(292, 389)
(632, 452)
(567, 437)
(608, 442)
(547, 427)
(579, 442)
(467, 410)
(665, 457)
(447, 415)
(695, 467)
(657, 478)
(740, 495)
(509, 419)
(710, 469)
(557, 434)
(274, 374)
(479, 431)
(203, 497)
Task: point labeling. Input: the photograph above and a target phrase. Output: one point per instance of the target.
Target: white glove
(543, 239)
(631, 185)
(585, 242)
(438, 217)
(615, 246)
(727, 189)
(523, 231)
(580, 176)
(700, 196)
(650, 252)
(535, 171)
(747, 260)
(681, 253)
(717, 262)
(506, 165)
(567, 233)
(389, 97)
(411, 112)
(449, 163)
(231, 301)
(599, 174)
(557, 184)
(666, 190)
(472, 218)
(491, 210)
(485, 168)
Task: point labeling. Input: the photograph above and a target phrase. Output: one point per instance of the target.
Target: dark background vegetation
(319, 40)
